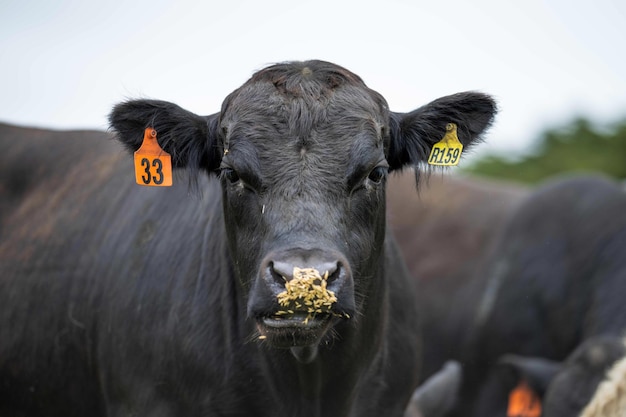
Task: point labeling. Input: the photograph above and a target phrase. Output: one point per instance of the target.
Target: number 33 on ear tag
(153, 166)
(447, 152)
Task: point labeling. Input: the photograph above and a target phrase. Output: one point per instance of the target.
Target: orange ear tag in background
(153, 166)
(523, 402)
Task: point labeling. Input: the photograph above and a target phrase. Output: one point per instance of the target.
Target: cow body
(102, 336)
(118, 300)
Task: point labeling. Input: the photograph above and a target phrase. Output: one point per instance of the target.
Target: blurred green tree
(580, 146)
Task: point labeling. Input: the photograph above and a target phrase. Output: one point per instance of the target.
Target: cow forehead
(268, 124)
(298, 97)
(297, 123)
(263, 104)
(265, 117)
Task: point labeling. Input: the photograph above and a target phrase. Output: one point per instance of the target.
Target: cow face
(302, 151)
(303, 176)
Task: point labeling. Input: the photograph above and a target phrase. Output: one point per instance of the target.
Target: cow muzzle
(299, 295)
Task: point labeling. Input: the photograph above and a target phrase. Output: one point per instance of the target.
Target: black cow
(555, 279)
(117, 300)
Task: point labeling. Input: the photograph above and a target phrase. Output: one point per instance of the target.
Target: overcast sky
(64, 63)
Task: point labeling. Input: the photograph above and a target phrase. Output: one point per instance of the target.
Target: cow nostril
(334, 272)
(331, 271)
(279, 275)
(282, 271)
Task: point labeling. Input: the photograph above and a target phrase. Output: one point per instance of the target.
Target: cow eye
(230, 175)
(378, 174)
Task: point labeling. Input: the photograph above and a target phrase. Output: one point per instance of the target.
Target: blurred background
(556, 67)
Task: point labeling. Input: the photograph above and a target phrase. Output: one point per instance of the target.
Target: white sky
(64, 63)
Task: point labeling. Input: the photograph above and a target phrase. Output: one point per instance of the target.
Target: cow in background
(119, 301)
(554, 280)
(575, 225)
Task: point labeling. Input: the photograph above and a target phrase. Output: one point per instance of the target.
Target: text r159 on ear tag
(447, 152)
(153, 166)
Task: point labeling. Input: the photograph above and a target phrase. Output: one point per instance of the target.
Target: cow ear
(538, 372)
(191, 140)
(413, 134)
(439, 394)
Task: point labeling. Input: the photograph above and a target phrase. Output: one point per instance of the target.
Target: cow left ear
(413, 134)
(190, 139)
(538, 372)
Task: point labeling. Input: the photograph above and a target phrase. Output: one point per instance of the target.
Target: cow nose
(282, 270)
(277, 268)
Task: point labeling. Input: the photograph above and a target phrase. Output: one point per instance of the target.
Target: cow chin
(298, 330)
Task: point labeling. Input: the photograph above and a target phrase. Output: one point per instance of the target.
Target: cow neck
(322, 387)
(305, 354)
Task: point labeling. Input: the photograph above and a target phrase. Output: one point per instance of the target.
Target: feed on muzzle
(306, 293)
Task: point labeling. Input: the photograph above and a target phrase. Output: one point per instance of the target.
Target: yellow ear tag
(153, 166)
(447, 152)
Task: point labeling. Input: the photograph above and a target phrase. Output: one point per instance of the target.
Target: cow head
(302, 151)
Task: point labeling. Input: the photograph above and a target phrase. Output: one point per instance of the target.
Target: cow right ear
(190, 139)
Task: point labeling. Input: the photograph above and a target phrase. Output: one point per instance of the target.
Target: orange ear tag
(153, 166)
(523, 402)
